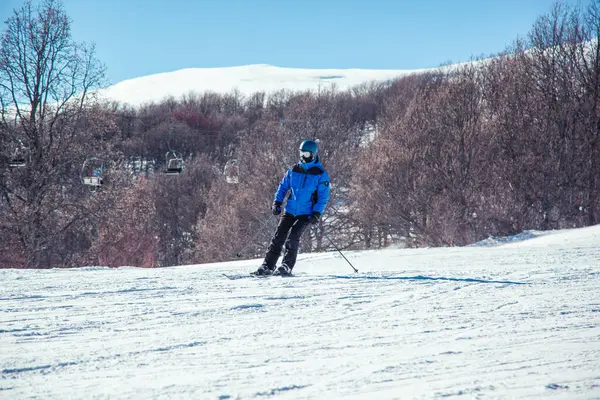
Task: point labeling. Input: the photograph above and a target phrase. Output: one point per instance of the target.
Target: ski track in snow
(520, 320)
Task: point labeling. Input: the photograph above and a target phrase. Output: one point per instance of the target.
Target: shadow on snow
(425, 278)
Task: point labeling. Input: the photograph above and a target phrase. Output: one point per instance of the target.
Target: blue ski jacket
(308, 184)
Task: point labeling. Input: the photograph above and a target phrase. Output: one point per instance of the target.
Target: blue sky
(141, 37)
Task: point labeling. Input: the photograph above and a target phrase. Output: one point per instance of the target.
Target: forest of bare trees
(444, 158)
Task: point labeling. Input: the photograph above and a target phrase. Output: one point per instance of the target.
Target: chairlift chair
(232, 172)
(17, 162)
(17, 157)
(92, 171)
(174, 163)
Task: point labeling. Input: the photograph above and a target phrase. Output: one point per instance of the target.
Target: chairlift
(18, 155)
(232, 172)
(92, 172)
(17, 162)
(174, 163)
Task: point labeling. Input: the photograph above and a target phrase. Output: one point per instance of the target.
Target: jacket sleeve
(284, 187)
(322, 193)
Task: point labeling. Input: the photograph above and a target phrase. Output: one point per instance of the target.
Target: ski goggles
(306, 154)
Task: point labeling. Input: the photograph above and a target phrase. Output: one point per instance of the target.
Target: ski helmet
(308, 150)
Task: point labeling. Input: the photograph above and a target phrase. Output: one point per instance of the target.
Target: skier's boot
(284, 270)
(264, 270)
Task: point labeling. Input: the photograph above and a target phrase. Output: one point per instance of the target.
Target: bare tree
(583, 54)
(45, 85)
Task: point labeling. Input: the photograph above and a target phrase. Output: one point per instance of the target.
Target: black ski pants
(289, 230)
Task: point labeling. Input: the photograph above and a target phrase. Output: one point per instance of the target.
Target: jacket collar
(308, 165)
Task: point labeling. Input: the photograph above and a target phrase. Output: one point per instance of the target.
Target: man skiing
(307, 183)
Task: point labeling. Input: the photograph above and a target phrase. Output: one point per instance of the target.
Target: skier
(97, 173)
(308, 184)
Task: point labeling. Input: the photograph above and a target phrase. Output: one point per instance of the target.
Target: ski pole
(339, 251)
(259, 230)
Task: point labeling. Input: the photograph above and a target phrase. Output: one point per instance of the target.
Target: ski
(235, 277)
(275, 273)
(253, 275)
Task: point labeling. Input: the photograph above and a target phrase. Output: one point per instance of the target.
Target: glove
(315, 218)
(276, 208)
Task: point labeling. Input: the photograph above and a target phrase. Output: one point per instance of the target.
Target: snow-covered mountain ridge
(246, 79)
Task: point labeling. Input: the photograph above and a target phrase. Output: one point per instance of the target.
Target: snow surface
(246, 79)
(519, 320)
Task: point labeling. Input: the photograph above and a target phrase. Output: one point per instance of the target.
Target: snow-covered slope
(544, 238)
(247, 79)
(510, 321)
(564, 238)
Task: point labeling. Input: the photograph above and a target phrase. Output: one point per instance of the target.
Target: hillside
(493, 321)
